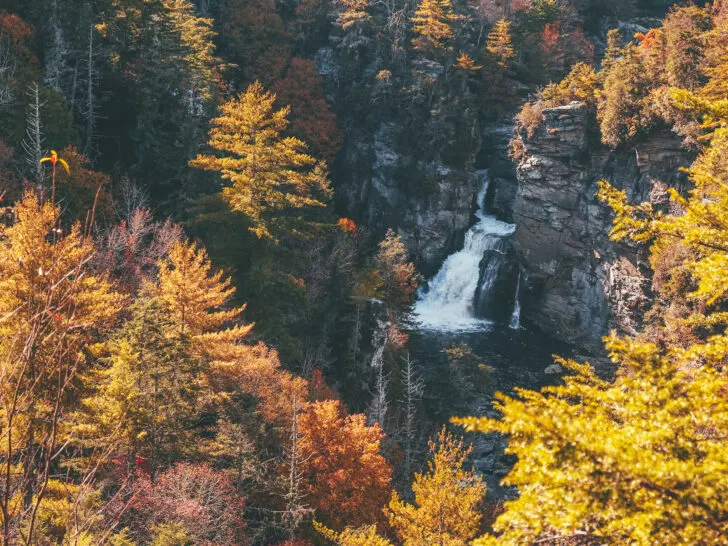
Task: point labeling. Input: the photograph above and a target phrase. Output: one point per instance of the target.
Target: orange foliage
(347, 225)
(562, 50)
(257, 371)
(345, 477)
(17, 30)
(311, 117)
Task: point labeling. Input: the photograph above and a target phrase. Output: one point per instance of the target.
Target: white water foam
(448, 304)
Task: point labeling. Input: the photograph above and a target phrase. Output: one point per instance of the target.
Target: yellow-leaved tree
(267, 172)
(432, 24)
(51, 307)
(642, 459)
(499, 44)
(447, 508)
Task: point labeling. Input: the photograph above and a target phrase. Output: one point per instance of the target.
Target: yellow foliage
(363, 536)
(447, 500)
(268, 173)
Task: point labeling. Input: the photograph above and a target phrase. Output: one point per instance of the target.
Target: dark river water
(512, 358)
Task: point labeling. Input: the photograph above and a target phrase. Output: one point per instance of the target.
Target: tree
(613, 51)
(195, 504)
(432, 23)
(268, 173)
(311, 117)
(499, 44)
(447, 499)
(51, 307)
(148, 397)
(33, 141)
(345, 477)
(397, 273)
(196, 296)
(254, 37)
(352, 19)
(168, 78)
(637, 461)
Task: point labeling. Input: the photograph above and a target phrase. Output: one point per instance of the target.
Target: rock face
(428, 203)
(578, 284)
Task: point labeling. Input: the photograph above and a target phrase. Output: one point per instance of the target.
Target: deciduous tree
(345, 477)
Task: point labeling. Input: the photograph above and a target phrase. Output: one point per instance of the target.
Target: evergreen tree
(432, 23)
(447, 499)
(499, 44)
(149, 394)
(268, 172)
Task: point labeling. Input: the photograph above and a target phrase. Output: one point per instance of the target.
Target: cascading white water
(448, 305)
(515, 322)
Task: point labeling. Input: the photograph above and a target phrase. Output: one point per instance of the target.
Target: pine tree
(613, 51)
(499, 44)
(432, 23)
(268, 173)
(149, 395)
(166, 55)
(447, 499)
(196, 296)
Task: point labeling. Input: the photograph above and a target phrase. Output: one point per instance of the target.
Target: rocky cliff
(377, 191)
(578, 284)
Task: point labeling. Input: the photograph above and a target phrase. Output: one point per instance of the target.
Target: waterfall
(515, 322)
(450, 303)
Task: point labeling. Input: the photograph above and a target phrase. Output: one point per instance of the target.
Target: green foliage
(148, 395)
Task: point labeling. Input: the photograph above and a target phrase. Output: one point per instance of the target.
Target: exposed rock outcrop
(378, 190)
(579, 284)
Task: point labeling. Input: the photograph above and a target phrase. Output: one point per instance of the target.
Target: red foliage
(345, 477)
(563, 50)
(318, 388)
(550, 38)
(311, 117)
(17, 30)
(200, 499)
(396, 338)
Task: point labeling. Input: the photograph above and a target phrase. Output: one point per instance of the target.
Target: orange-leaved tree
(345, 477)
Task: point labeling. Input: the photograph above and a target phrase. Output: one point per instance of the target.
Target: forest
(274, 272)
